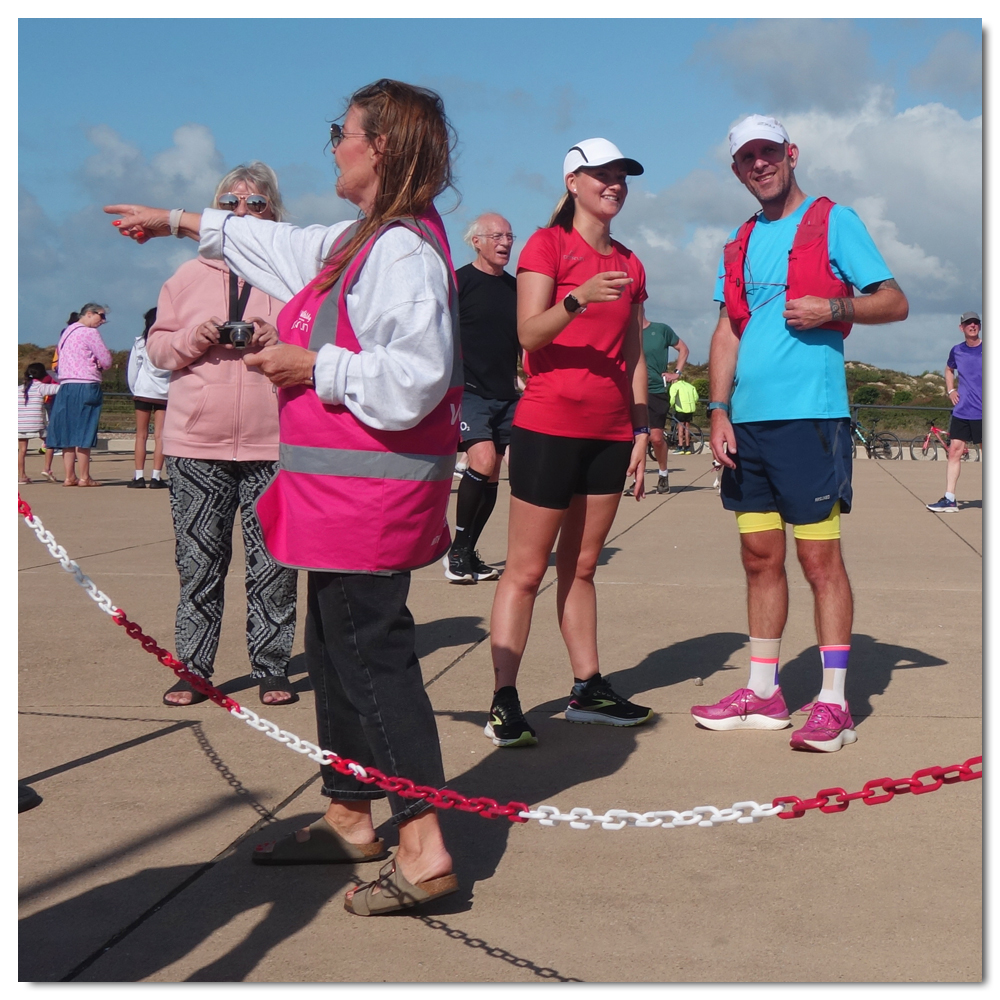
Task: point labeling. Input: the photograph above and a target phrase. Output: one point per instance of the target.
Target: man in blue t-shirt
(967, 399)
(780, 420)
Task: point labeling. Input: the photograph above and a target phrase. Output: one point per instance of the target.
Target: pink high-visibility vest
(347, 497)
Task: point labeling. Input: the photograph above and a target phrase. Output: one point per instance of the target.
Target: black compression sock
(470, 496)
(486, 504)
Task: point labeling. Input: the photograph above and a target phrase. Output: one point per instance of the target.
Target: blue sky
(887, 114)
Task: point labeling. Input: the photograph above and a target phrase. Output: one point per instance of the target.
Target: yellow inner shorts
(824, 530)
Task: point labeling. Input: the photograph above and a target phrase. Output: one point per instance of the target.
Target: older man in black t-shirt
(487, 300)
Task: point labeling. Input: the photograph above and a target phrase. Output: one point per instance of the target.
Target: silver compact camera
(236, 332)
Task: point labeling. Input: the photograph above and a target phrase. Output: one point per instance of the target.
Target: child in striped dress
(31, 416)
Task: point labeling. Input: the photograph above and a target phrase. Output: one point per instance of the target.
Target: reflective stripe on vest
(809, 271)
(366, 464)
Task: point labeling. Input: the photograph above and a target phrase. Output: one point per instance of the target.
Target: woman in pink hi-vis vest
(369, 385)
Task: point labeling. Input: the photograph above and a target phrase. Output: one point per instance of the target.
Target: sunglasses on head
(256, 203)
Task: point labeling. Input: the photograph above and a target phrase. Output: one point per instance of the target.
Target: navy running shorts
(658, 406)
(799, 468)
(486, 420)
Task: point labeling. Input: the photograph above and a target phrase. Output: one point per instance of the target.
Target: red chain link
(880, 790)
(439, 798)
(445, 798)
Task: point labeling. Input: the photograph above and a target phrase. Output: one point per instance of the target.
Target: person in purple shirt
(967, 399)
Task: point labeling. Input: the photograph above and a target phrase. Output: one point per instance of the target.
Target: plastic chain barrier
(875, 792)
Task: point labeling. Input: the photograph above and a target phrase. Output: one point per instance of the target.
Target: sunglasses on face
(338, 135)
(256, 203)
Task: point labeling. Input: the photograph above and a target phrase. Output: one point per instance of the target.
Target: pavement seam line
(945, 523)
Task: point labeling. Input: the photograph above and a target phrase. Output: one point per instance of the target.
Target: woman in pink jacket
(220, 437)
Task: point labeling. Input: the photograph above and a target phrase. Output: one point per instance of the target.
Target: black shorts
(799, 468)
(966, 430)
(486, 420)
(659, 409)
(547, 471)
(682, 418)
(148, 405)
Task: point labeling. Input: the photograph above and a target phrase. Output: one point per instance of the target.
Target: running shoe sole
(524, 740)
(596, 718)
(843, 738)
(742, 722)
(454, 577)
(942, 510)
(493, 574)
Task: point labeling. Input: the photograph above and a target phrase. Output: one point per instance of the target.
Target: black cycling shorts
(548, 471)
(961, 429)
(148, 405)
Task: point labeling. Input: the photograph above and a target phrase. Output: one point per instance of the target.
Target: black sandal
(196, 696)
(272, 683)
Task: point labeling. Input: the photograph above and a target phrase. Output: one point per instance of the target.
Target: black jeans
(371, 705)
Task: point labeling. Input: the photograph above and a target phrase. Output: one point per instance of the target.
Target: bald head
(491, 237)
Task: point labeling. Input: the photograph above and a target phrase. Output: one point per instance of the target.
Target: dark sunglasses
(256, 203)
(338, 135)
(102, 316)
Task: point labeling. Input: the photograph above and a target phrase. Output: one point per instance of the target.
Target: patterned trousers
(204, 497)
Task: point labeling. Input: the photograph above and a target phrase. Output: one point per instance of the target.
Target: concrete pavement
(135, 867)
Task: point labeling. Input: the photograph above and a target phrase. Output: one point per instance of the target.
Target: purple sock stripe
(835, 657)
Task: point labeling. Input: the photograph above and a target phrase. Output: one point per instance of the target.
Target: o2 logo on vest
(304, 321)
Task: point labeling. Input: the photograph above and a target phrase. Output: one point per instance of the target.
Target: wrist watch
(716, 405)
(573, 305)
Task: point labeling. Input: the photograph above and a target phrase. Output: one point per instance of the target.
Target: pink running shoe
(828, 728)
(744, 710)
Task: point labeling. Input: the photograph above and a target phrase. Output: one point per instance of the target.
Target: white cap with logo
(756, 127)
(596, 153)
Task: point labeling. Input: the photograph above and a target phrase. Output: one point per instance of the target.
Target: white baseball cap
(595, 153)
(756, 127)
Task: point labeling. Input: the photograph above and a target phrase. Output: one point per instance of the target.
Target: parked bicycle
(670, 437)
(882, 445)
(925, 449)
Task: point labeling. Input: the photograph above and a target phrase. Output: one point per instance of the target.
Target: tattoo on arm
(842, 310)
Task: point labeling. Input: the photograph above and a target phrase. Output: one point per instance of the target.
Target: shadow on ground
(572, 755)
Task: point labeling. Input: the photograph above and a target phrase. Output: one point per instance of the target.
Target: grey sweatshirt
(398, 308)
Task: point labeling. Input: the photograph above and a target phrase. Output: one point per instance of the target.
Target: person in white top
(148, 385)
(393, 158)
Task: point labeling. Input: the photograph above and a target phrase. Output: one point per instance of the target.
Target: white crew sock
(156, 473)
(764, 666)
(138, 474)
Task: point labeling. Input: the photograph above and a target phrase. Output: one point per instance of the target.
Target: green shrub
(866, 395)
(902, 397)
(701, 384)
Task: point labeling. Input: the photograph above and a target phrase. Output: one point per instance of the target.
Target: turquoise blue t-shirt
(783, 373)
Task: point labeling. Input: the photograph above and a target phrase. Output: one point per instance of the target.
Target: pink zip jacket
(217, 407)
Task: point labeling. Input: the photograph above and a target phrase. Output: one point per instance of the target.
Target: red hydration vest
(809, 271)
(348, 497)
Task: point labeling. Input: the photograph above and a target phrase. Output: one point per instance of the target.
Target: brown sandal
(396, 892)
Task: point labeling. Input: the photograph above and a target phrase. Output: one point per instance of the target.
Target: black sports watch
(573, 305)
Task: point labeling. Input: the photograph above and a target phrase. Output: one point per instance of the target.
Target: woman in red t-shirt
(580, 428)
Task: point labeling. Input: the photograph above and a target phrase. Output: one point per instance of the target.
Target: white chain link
(579, 818)
(58, 552)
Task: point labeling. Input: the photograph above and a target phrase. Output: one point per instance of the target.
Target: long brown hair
(415, 165)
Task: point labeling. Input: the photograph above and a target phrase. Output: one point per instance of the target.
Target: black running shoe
(507, 726)
(594, 701)
(481, 570)
(458, 565)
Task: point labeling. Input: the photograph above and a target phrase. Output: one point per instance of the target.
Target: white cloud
(790, 63)
(914, 177)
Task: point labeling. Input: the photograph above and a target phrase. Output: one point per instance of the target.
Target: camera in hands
(236, 332)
